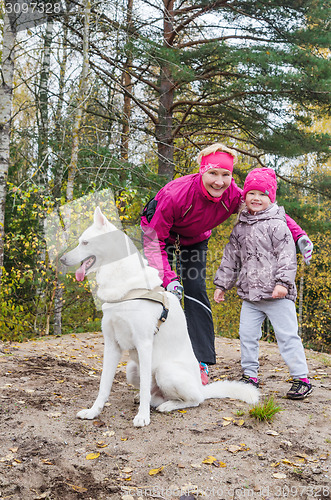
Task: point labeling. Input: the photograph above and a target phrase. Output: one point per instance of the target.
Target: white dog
(163, 365)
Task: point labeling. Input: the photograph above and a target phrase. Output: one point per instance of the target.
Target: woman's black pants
(197, 308)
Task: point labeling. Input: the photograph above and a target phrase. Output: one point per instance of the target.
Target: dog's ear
(99, 219)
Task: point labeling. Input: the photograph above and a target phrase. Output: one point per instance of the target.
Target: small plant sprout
(266, 410)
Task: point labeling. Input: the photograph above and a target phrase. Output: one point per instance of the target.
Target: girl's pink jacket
(185, 209)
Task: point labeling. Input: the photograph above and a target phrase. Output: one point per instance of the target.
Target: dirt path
(46, 453)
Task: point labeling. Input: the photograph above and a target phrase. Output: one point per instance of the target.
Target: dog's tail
(235, 390)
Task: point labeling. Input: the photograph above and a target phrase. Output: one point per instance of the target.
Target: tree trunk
(127, 85)
(167, 91)
(43, 167)
(6, 93)
(58, 178)
(43, 129)
(82, 93)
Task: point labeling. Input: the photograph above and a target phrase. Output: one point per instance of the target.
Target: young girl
(260, 259)
(185, 211)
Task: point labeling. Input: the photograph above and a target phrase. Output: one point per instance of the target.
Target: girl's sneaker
(204, 373)
(249, 380)
(299, 389)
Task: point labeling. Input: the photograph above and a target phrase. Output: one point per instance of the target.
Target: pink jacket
(184, 208)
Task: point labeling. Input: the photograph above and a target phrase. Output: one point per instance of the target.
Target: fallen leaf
(47, 462)
(98, 423)
(233, 448)
(218, 463)
(209, 460)
(287, 462)
(153, 472)
(239, 422)
(79, 489)
(182, 411)
(225, 424)
(101, 444)
(279, 475)
(109, 433)
(125, 477)
(228, 418)
(127, 470)
(92, 456)
(275, 464)
(57, 414)
(124, 439)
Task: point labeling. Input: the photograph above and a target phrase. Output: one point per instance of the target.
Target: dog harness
(155, 295)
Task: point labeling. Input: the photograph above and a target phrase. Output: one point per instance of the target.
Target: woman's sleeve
(294, 228)
(155, 234)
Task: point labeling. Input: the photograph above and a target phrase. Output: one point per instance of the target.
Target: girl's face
(216, 181)
(256, 201)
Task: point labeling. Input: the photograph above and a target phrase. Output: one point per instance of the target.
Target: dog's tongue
(80, 273)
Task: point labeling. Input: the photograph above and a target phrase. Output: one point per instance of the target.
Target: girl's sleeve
(228, 271)
(284, 248)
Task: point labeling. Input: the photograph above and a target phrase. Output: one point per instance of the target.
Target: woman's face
(216, 181)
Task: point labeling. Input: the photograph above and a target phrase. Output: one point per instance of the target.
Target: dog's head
(94, 246)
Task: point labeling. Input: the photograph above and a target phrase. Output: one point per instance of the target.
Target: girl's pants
(282, 315)
(197, 309)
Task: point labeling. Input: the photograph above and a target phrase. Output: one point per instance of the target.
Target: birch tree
(6, 93)
(42, 109)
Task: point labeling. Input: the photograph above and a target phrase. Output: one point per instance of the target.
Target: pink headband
(219, 159)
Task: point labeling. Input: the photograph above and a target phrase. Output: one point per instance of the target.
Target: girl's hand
(279, 292)
(219, 295)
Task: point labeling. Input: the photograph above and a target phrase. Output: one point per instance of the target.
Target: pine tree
(250, 72)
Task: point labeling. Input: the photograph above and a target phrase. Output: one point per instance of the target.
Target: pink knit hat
(219, 159)
(261, 179)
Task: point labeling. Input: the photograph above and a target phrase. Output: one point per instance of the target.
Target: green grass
(266, 410)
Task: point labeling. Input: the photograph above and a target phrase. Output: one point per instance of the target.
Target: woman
(183, 214)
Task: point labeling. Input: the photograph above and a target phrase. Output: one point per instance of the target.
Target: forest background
(119, 96)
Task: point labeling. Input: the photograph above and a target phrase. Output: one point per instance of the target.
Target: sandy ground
(217, 451)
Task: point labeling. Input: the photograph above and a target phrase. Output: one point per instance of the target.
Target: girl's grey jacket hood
(260, 255)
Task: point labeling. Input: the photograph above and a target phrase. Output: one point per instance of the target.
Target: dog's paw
(87, 414)
(166, 407)
(141, 420)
